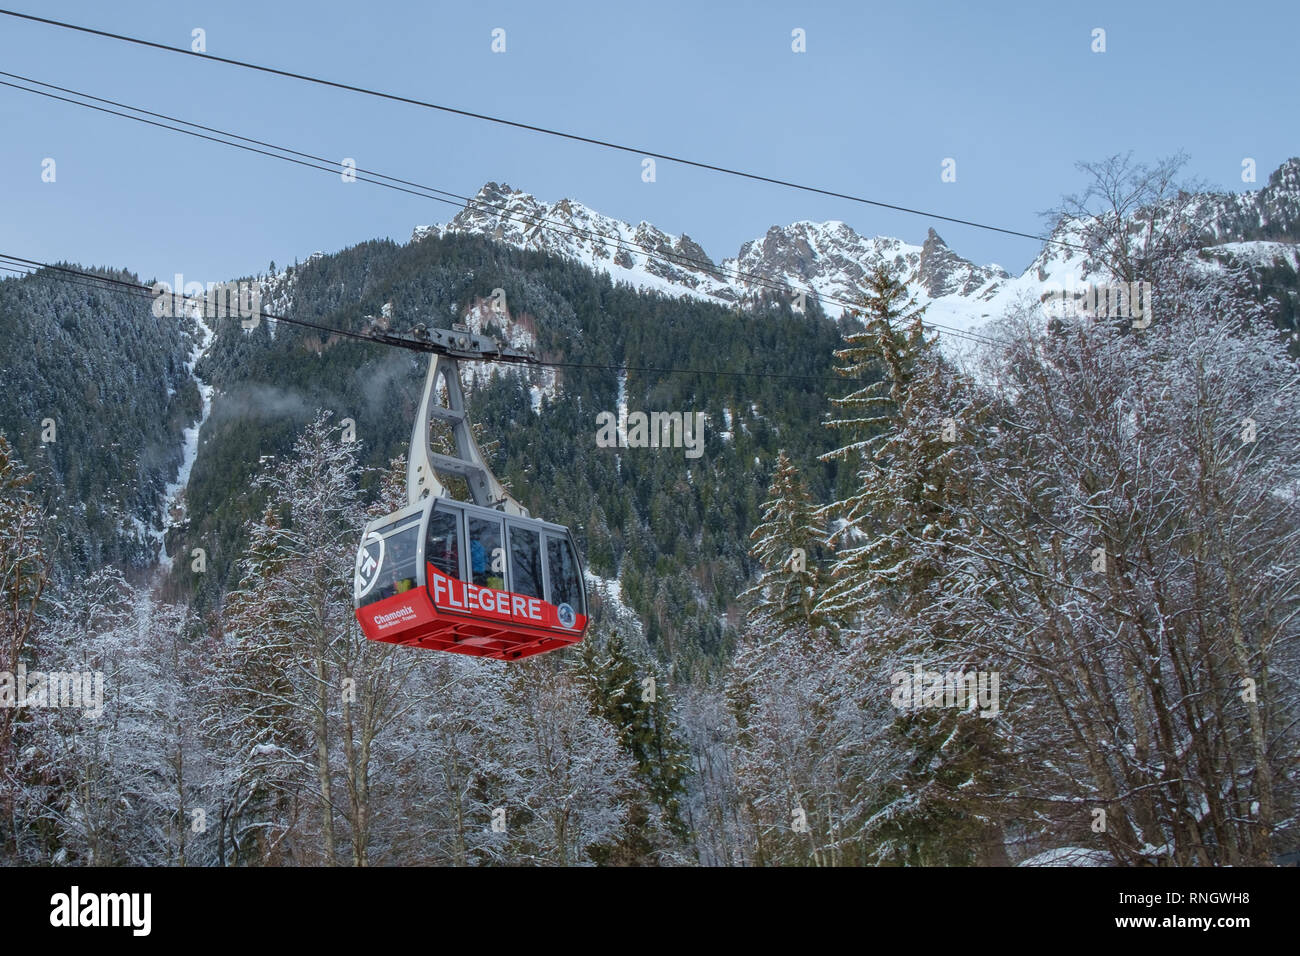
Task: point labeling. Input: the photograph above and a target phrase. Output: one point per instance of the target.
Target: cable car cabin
(454, 576)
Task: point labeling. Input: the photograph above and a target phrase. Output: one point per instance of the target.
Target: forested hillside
(94, 395)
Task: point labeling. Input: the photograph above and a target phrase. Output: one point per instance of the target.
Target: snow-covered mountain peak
(830, 258)
(643, 255)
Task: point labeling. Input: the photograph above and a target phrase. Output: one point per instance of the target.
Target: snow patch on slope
(514, 331)
(610, 593)
(174, 495)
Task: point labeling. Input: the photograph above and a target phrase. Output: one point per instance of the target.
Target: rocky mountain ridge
(831, 259)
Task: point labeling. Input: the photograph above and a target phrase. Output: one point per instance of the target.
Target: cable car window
(565, 587)
(442, 548)
(487, 557)
(397, 571)
(525, 562)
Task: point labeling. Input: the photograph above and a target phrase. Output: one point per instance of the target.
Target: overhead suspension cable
(423, 191)
(534, 128)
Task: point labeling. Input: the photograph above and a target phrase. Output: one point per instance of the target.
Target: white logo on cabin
(370, 558)
(566, 616)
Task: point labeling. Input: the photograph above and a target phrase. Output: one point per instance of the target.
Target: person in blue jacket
(478, 562)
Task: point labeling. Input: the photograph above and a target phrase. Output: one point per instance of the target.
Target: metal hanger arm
(424, 464)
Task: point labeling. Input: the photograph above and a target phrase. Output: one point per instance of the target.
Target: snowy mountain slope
(831, 259)
(567, 228)
(173, 499)
(828, 258)
(516, 332)
(1271, 212)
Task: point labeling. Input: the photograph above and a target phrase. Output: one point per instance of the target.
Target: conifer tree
(892, 467)
(899, 528)
(783, 747)
(786, 544)
(630, 694)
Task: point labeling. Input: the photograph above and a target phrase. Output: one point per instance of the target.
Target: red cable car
(483, 579)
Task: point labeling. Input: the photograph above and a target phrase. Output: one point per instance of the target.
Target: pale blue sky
(883, 94)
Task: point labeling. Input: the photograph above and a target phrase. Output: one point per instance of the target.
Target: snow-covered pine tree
(786, 545)
(633, 696)
(898, 530)
(253, 715)
(183, 766)
(895, 447)
(775, 682)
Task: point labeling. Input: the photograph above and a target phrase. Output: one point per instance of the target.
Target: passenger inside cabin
(487, 560)
(394, 580)
(478, 561)
(401, 564)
